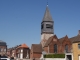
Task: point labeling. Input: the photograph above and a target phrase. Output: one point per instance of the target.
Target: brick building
(36, 51)
(55, 45)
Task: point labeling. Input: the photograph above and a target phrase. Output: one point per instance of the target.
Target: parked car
(4, 58)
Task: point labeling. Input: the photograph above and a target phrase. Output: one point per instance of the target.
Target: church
(51, 44)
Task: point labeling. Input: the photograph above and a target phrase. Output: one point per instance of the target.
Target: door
(79, 57)
(69, 57)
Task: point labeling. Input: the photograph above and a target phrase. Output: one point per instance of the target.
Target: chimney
(79, 32)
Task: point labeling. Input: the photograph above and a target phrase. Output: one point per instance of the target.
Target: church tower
(46, 26)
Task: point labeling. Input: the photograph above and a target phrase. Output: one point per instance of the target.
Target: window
(66, 48)
(0, 49)
(42, 26)
(78, 46)
(21, 50)
(49, 26)
(5, 49)
(55, 48)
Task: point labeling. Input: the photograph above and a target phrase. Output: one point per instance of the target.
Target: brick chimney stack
(79, 32)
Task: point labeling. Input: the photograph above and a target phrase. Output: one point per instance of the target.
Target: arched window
(66, 48)
(55, 48)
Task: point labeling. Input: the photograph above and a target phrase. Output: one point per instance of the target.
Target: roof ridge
(73, 37)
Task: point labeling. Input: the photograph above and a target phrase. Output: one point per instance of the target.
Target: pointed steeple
(47, 15)
(47, 29)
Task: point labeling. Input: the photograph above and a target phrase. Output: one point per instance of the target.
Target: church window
(66, 48)
(49, 26)
(78, 46)
(55, 48)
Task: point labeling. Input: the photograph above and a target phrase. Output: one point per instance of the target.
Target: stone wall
(76, 51)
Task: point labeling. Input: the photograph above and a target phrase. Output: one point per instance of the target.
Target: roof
(47, 15)
(61, 39)
(75, 39)
(23, 46)
(49, 40)
(37, 48)
(2, 43)
(72, 39)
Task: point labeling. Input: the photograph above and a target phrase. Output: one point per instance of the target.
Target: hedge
(54, 56)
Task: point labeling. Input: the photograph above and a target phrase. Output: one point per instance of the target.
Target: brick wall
(64, 43)
(60, 45)
(35, 55)
(45, 49)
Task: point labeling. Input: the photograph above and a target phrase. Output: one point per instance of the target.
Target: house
(23, 51)
(11, 52)
(3, 48)
(36, 51)
(76, 46)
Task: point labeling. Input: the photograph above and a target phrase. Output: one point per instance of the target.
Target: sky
(20, 20)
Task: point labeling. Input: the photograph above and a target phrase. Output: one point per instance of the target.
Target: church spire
(47, 15)
(47, 29)
(47, 23)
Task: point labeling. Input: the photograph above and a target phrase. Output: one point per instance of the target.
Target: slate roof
(75, 39)
(2, 43)
(37, 48)
(47, 15)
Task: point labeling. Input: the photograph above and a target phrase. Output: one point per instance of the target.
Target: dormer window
(49, 26)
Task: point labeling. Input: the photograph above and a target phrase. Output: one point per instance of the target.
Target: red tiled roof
(23, 46)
